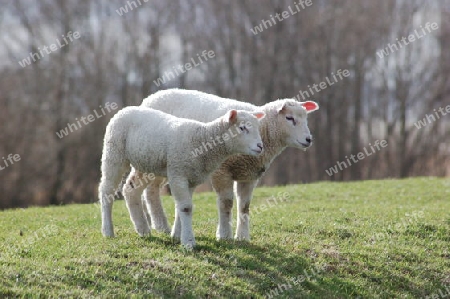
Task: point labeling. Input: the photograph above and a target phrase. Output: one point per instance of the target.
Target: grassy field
(370, 239)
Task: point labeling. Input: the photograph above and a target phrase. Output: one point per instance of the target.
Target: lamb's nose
(308, 139)
(260, 146)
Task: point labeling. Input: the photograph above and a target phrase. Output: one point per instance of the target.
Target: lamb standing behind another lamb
(155, 142)
(285, 125)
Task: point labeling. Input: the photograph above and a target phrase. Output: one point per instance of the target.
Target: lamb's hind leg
(244, 191)
(154, 204)
(132, 191)
(112, 173)
(223, 185)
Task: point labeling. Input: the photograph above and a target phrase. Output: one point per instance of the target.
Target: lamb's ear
(232, 116)
(310, 106)
(282, 108)
(259, 115)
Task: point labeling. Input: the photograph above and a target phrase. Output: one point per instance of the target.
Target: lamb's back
(194, 104)
(152, 136)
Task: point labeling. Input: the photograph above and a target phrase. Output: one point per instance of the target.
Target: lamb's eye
(243, 129)
(290, 118)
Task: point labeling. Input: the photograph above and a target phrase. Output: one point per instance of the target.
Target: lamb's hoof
(146, 235)
(164, 230)
(143, 232)
(108, 233)
(189, 246)
(176, 235)
(224, 234)
(242, 238)
(175, 239)
(224, 237)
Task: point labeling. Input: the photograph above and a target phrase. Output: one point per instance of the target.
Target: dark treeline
(63, 60)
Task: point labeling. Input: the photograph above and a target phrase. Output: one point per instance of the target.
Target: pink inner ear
(310, 106)
(259, 115)
(232, 115)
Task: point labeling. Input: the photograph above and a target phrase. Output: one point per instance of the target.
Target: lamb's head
(293, 122)
(242, 136)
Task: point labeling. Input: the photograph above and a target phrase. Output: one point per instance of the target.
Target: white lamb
(285, 125)
(151, 141)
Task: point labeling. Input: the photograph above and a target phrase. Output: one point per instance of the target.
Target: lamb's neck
(273, 145)
(217, 149)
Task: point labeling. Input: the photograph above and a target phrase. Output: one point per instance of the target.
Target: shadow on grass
(272, 271)
(267, 271)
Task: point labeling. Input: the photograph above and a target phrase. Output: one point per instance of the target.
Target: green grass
(370, 239)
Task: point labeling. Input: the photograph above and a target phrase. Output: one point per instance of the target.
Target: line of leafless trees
(119, 55)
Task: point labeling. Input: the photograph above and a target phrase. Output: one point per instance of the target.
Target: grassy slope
(378, 239)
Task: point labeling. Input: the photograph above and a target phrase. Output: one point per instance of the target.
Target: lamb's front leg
(183, 213)
(132, 191)
(176, 228)
(244, 191)
(223, 185)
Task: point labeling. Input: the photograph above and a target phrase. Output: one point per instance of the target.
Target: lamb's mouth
(257, 151)
(305, 146)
